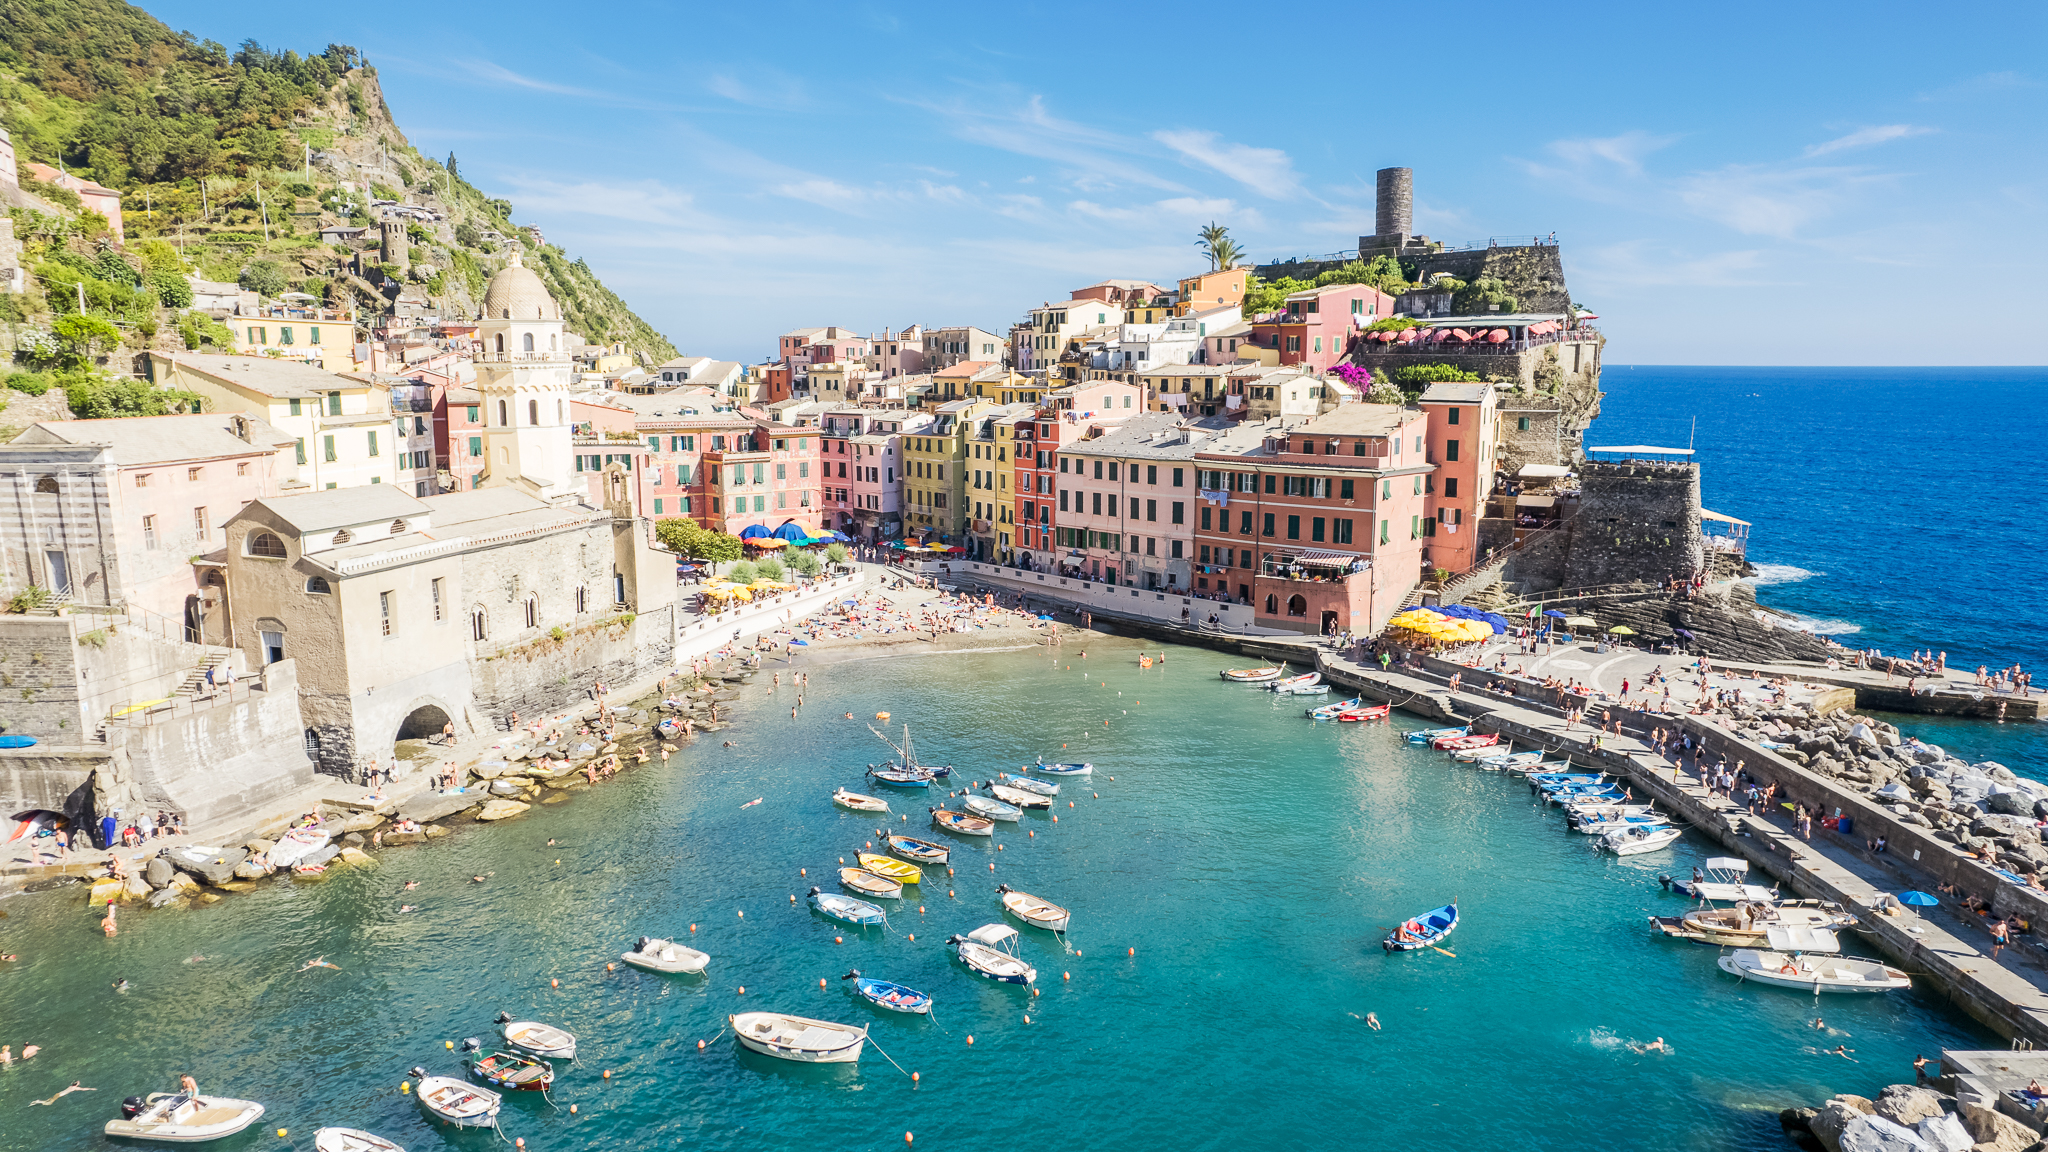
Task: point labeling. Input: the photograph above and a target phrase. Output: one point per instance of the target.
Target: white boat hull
(1637, 845)
(798, 1039)
(1035, 912)
(351, 1140)
(544, 1040)
(458, 1102)
(668, 956)
(1814, 974)
(174, 1118)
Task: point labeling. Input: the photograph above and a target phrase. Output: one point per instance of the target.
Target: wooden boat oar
(1452, 955)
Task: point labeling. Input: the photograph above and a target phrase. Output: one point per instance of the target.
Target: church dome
(515, 293)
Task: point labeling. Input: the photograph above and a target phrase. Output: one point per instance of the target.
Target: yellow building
(342, 425)
(313, 335)
(991, 475)
(935, 473)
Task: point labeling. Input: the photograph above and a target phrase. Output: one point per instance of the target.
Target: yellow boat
(894, 869)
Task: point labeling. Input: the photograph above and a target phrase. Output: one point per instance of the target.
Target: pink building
(1315, 522)
(127, 512)
(863, 471)
(672, 481)
(897, 353)
(774, 478)
(1460, 442)
(99, 198)
(1319, 324)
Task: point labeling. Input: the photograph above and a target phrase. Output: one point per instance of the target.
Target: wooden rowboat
(450, 1100)
(1250, 675)
(1018, 797)
(1423, 931)
(893, 869)
(859, 802)
(868, 884)
(846, 909)
(1033, 911)
(921, 851)
(512, 1070)
(544, 1040)
(1027, 784)
(962, 824)
(351, 1140)
(989, 809)
(797, 1038)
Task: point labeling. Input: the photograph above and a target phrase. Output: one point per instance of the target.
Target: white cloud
(1267, 171)
(1090, 159)
(499, 74)
(641, 202)
(1762, 200)
(1635, 264)
(1990, 83)
(764, 88)
(1625, 151)
(1864, 137)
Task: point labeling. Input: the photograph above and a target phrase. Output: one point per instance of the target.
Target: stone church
(406, 614)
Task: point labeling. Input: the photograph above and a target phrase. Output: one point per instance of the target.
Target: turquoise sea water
(1250, 859)
(1898, 508)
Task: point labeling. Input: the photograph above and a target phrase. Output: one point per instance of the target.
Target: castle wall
(1638, 521)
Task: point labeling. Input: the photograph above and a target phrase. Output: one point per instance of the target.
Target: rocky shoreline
(517, 775)
(1907, 1118)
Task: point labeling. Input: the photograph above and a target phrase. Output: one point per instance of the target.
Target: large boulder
(1992, 825)
(134, 888)
(489, 769)
(2013, 803)
(1834, 1116)
(158, 872)
(502, 810)
(1944, 1133)
(1876, 1134)
(427, 807)
(357, 858)
(361, 822)
(214, 868)
(1995, 1131)
(1908, 1105)
(259, 847)
(250, 870)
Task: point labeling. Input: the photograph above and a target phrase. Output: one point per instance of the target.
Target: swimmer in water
(1372, 1021)
(1839, 1050)
(194, 958)
(1818, 1025)
(1656, 1045)
(76, 1086)
(408, 907)
(411, 884)
(121, 985)
(318, 962)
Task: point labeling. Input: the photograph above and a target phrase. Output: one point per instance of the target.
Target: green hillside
(230, 162)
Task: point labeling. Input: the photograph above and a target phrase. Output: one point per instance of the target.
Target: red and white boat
(1453, 743)
(1376, 712)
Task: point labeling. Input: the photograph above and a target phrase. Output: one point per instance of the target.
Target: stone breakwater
(1908, 1118)
(509, 781)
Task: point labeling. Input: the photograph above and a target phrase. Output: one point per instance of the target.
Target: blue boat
(894, 997)
(1329, 711)
(918, 851)
(1064, 769)
(1425, 930)
(901, 777)
(846, 908)
(1428, 734)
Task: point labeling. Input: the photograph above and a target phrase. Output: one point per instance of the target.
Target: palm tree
(1225, 253)
(1212, 235)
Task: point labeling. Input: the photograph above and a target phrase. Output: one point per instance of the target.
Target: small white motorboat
(982, 950)
(1748, 925)
(1028, 784)
(1250, 675)
(989, 809)
(1721, 879)
(1303, 684)
(351, 1140)
(1639, 838)
(1787, 965)
(859, 802)
(1033, 911)
(176, 1118)
(1019, 797)
(543, 1040)
(456, 1102)
(797, 1038)
(665, 956)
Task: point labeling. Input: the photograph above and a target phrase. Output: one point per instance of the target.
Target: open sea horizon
(1889, 506)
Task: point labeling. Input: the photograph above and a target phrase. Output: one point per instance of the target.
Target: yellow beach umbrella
(1621, 630)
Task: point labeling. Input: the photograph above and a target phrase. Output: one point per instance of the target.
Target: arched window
(1272, 604)
(533, 612)
(398, 527)
(312, 744)
(343, 537)
(266, 544)
(533, 412)
(47, 484)
(551, 343)
(317, 585)
(479, 625)
(529, 342)
(1297, 606)
(504, 415)
(501, 343)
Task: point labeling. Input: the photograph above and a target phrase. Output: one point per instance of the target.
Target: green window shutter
(328, 444)
(373, 442)
(302, 442)
(476, 446)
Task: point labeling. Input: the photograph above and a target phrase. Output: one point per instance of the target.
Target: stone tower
(524, 374)
(1394, 206)
(391, 232)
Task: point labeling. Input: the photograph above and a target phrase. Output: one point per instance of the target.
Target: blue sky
(1763, 184)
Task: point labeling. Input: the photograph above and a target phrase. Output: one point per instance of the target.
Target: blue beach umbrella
(1553, 612)
(791, 530)
(1919, 899)
(754, 532)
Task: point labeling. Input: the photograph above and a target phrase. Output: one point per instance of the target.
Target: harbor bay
(1229, 889)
